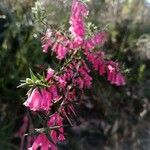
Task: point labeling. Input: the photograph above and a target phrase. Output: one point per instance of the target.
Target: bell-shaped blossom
(56, 135)
(39, 100)
(60, 50)
(86, 78)
(81, 77)
(43, 142)
(97, 60)
(76, 43)
(50, 73)
(43, 99)
(103, 67)
(56, 119)
(53, 90)
(62, 80)
(98, 39)
(58, 44)
(113, 75)
(120, 80)
(78, 12)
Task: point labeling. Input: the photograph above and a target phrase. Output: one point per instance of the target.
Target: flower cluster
(42, 139)
(78, 12)
(110, 68)
(57, 98)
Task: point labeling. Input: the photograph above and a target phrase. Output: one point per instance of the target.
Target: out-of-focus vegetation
(109, 117)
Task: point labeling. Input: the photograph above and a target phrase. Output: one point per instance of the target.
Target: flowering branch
(55, 93)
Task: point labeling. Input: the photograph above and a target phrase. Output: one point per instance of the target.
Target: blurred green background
(110, 118)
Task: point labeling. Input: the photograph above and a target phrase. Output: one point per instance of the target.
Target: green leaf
(33, 77)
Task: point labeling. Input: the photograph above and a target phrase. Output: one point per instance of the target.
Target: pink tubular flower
(50, 73)
(76, 43)
(53, 90)
(113, 75)
(39, 100)
(58, 44)
(43, 99)
(103, 67)
(60, 48)
(86, 78)
(78, 12)
(56, 119)
(120, 80)
(43, 142)
(98, 38)
(81, 77)
(97, 61)
(61, 51)
(62, 81)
